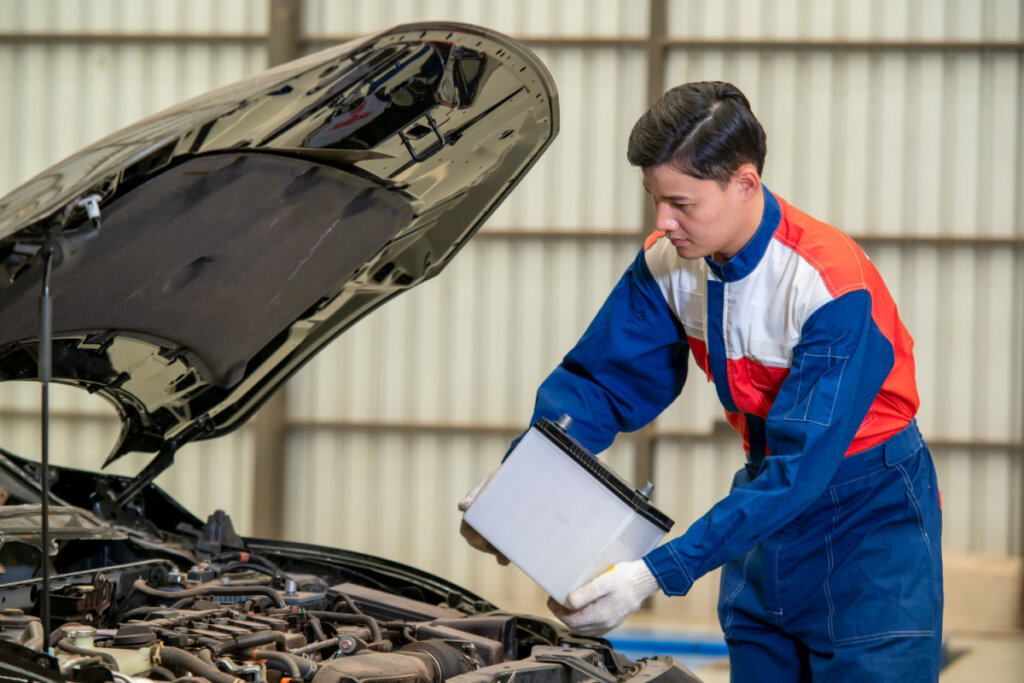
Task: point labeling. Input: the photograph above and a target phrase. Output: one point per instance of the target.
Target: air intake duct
(427, 661)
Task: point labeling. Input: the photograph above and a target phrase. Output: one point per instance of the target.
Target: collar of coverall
(747, 258)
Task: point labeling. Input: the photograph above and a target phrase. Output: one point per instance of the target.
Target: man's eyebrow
(674, 198)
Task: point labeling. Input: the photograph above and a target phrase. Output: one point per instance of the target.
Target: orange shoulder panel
(843, 265)
(652, 238)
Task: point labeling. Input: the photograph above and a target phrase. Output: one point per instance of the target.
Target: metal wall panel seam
(870, 239)
(117, 38)
(321, 41)
(721, 432)
(9, 413)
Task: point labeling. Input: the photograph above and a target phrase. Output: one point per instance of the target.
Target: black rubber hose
(68, 645)
(314, 647)
(80, 663)
(351, 604)
(317, 628)
(175, 658)
(162, 674)
(143, 612)
(291, 662)
(246, 641)
(59, 634)
(251, 566)
(355, 619)
(142, 587)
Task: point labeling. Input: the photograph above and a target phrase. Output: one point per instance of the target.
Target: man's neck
(751, 221)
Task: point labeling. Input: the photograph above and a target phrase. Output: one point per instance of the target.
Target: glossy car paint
(246, 228)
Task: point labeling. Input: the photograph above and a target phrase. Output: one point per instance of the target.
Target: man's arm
(837, 370)
(629, 364)
(625, 369)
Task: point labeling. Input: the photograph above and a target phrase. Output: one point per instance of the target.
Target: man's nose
(665, 218)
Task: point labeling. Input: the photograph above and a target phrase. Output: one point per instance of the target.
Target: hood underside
(243, 230)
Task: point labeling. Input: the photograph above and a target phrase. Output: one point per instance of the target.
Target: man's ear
(748, 181)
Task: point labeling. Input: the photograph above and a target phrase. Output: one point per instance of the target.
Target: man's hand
(605, 601)
(471, 535)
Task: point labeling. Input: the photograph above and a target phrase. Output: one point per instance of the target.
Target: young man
(829, 539)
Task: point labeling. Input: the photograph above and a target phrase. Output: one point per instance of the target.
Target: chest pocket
(689, 305)
(818, 382)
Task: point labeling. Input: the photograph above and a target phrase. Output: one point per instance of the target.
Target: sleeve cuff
(673, 577)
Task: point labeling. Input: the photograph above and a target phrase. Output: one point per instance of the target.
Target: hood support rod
(91, 205)
(160, 462)
(45, 370)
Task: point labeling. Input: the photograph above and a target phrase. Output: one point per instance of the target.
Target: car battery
(562, 516)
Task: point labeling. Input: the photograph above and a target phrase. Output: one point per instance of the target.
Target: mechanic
(829, 540)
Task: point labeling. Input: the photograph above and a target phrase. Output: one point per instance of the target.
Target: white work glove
(605, 601)
(471, 535)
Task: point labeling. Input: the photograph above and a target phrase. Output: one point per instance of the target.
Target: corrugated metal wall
(118, 60)
(899, 121)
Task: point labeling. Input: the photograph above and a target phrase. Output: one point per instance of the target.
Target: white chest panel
(762, 314)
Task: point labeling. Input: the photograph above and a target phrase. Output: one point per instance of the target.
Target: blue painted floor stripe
(693, 650)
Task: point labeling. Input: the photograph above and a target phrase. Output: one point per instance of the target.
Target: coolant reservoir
(562, 516)
(130, 662)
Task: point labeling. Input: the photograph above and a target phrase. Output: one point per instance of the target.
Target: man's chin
(689, 251)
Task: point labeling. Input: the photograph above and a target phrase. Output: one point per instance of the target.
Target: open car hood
(244, 229)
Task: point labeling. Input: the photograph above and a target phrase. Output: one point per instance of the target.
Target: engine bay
(149, 592)
(276, 615)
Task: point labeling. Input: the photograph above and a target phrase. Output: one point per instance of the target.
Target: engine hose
(317, 628)
(246, 641)
(79, 663)
(159, 673)
(179, 659)
(250, 566)
(380, 646)
(68, 645)
(314, 647)
(141, 612)
(291, 662)
(141, 586)
(351, 604)
(59, 634)
(352, 619)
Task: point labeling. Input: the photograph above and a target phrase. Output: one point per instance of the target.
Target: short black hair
(703, 129)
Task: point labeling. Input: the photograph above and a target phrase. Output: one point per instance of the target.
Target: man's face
(700, 217)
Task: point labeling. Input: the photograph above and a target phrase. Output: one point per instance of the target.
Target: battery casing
(560, 515)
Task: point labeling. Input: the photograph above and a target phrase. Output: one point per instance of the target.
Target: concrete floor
(979, 658)
(989, 657)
